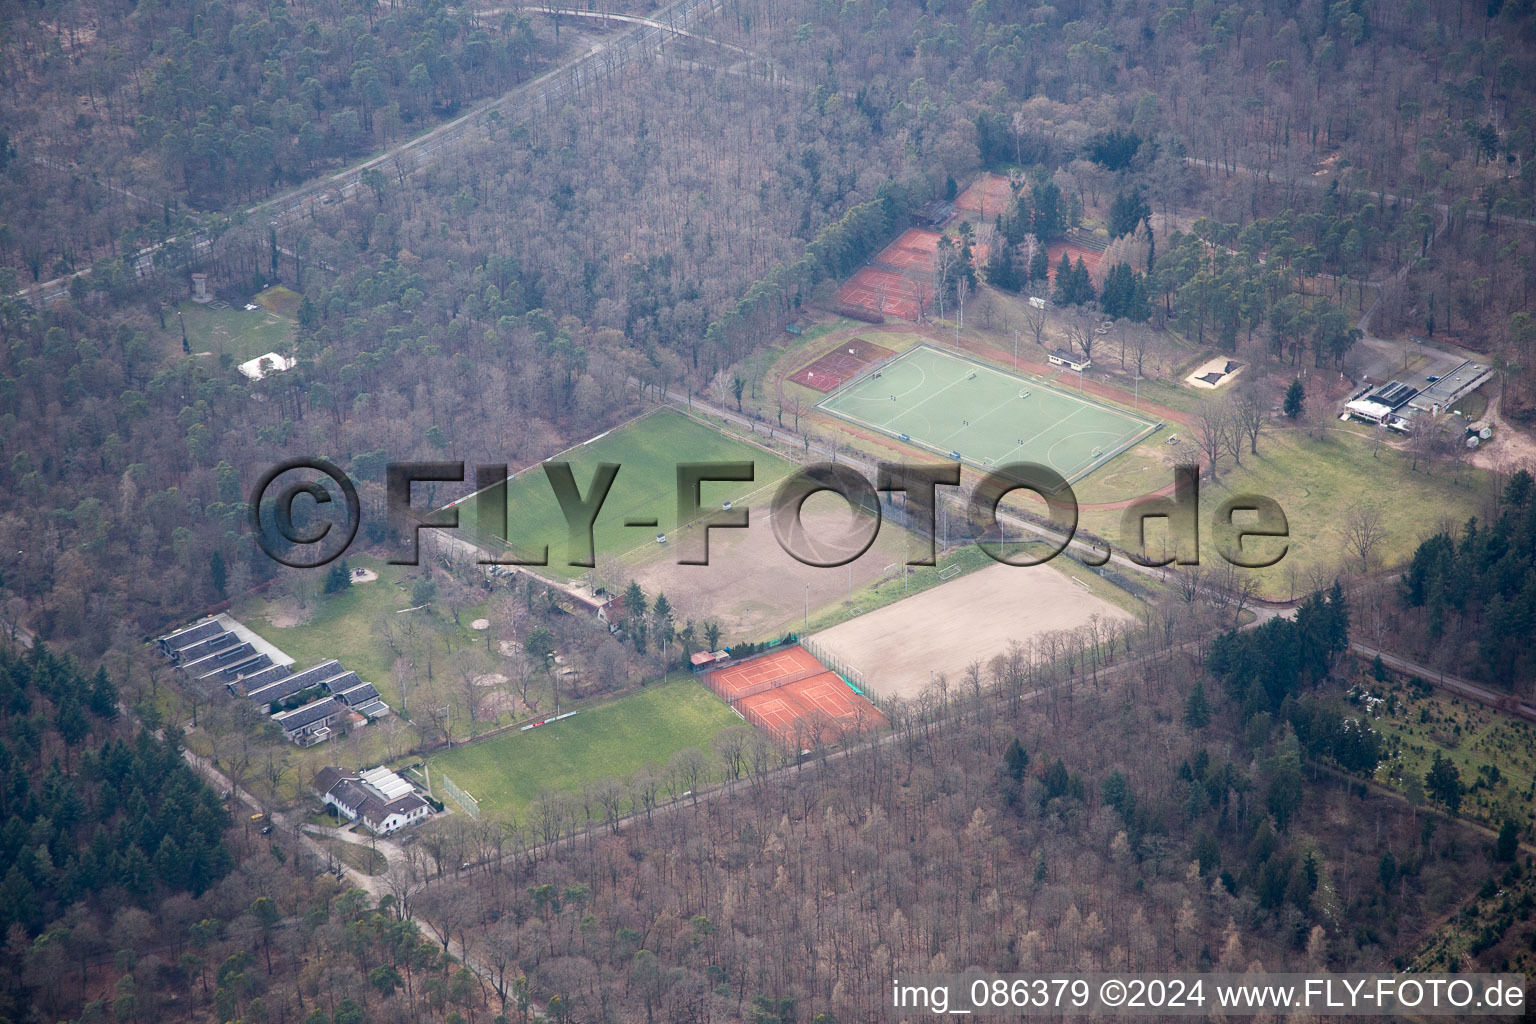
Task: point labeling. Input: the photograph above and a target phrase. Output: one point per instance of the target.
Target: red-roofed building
(706, 659)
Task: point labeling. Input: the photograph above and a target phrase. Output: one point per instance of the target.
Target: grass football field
(613, 740)
(985, 416)
(648, 451)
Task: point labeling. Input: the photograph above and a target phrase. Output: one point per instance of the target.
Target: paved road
(1505, 702)
(376, 886)
(544, 94)
(80, 172)
(629, 19)
(372, 884)
(536, 97)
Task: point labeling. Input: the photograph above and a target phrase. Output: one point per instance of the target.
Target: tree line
(1471, 592)
(978, 832)
(96, 814)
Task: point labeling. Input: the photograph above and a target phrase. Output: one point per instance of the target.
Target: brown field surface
(1074, 253)
(914, 251)
(753, 588)
(885, 291)
(974, 617)
(986, 196)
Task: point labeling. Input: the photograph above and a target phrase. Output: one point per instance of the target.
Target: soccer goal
(949, 572)
(467, 803)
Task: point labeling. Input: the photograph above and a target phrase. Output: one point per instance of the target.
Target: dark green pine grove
(1074, 287)
(1264, 666)
(1273, 673)
(95, 813)
(1473, 592)
(1251, 281)
(1124, 295)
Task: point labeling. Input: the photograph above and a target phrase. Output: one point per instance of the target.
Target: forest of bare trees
(590, 248)
(1303, 175)
(978, 831)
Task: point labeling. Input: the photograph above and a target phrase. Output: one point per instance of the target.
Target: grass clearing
(361, 858)
(1139, 470)
(1316, 482)
(1474, 406)
(648, 451)
(507, 772)
(341, 625)
(280, 299)
(238, 333)
(1495, 755)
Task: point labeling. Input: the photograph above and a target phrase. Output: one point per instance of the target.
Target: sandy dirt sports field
(753, 588)
(944, 629)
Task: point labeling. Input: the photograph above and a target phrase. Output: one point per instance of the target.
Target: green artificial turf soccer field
(988, 417)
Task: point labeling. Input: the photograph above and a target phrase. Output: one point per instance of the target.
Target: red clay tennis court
(914, 251)
(891, 283)
(764, 672)
(795, 698)
(880, 290)
(821, 710)
(816, 379)
(1089, 257)
(843, 363)
(986, 196)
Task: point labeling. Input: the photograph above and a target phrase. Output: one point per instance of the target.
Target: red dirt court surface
(891, 283)
(1090, 258)
(843, 363)
(796, 699)
(883, 291)
(764, 672)
(915, 252)
(986, 196)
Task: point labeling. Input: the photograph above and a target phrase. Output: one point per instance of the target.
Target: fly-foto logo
(312, 533)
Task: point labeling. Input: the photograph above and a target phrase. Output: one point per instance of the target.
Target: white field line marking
(1047, 430)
